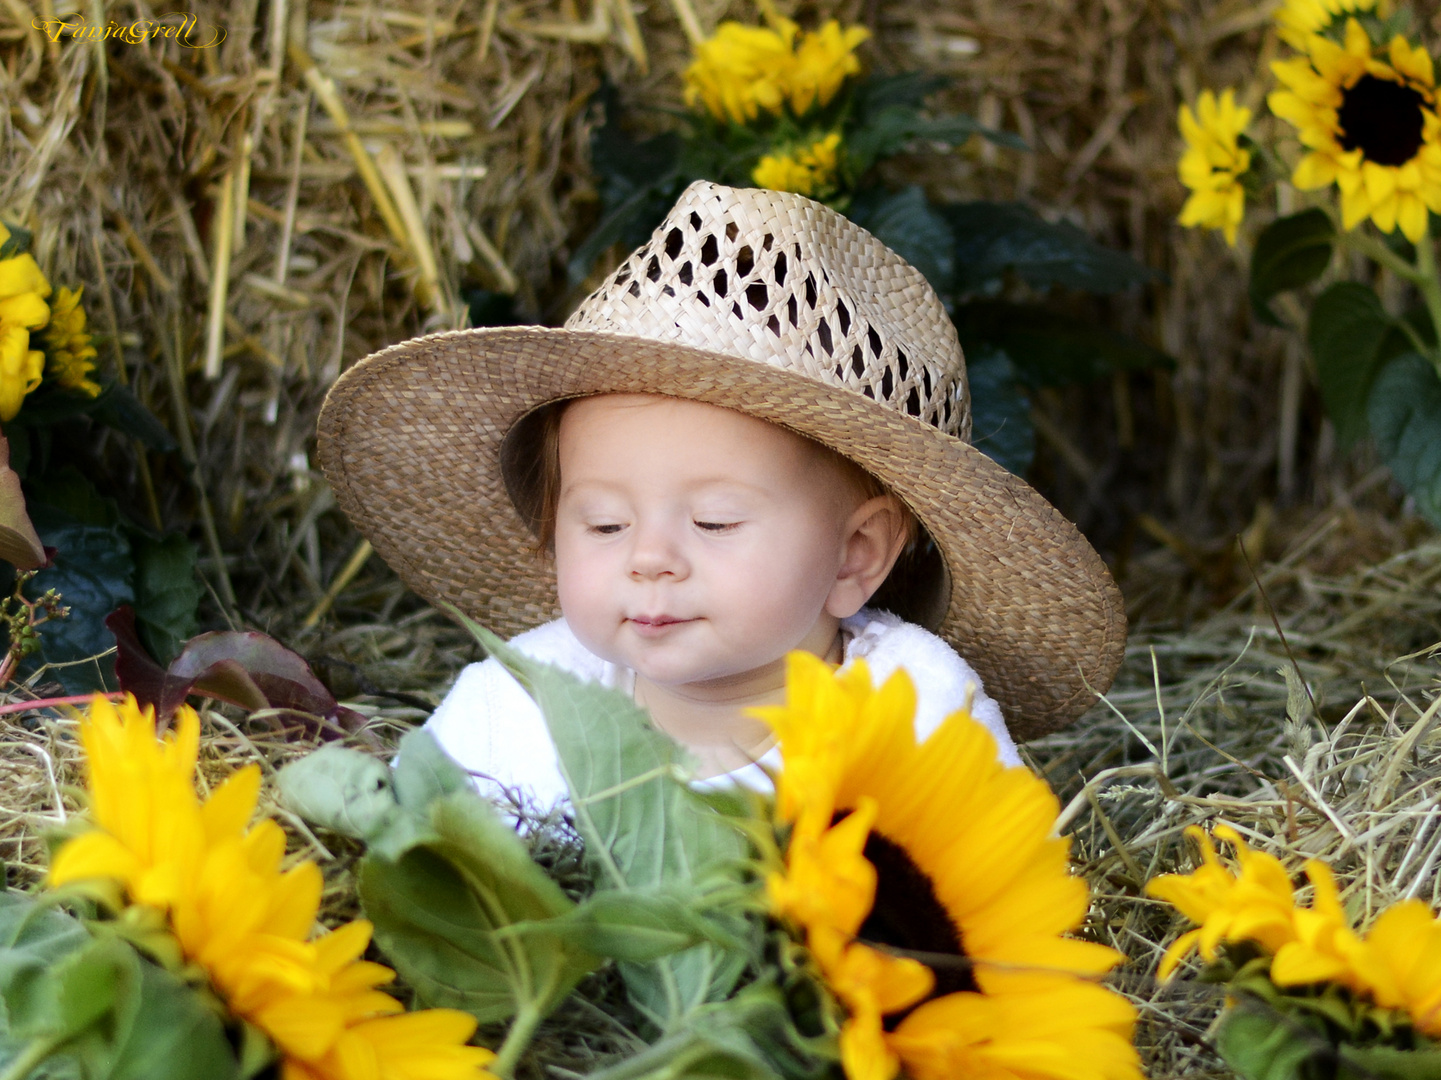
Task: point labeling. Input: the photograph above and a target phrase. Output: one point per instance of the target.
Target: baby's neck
(709, 720)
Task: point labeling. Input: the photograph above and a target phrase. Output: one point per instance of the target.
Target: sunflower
(1369, 126)
(234, 912)
(1214, 163)
(1256, 906)
(71, 352)
(810, 170)
(1297, 20)
(1396, 965)
(931, 894)
(23, 290)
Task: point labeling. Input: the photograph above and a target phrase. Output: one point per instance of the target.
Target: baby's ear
(875, 534)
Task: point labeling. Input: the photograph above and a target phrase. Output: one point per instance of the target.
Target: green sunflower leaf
(443, 878)
(1405, 416)
(1262, 1043)
(1290, 252)
(995, 237)
(644, 830)
(1000, 411)
(1351, 338)
(102, 1011)
(167, 592)
(1049, 348)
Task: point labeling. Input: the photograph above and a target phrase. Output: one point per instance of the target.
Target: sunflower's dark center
(1381, 118)
(908, 917)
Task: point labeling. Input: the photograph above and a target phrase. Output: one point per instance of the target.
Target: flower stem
(36, 1051)
(1379, 252)
(516, 1040)
(1430, 286)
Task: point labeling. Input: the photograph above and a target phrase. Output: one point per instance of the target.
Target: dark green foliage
(1049, 348)
(994, 238)
(103, 561)
(1291, 252)
(104, 1012)
(1000, 410)
(1351, 337)
(1405, 416)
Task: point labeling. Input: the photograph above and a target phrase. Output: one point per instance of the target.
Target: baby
(754, 429)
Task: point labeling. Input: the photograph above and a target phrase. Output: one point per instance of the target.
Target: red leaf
(245, 668)
(19, 545)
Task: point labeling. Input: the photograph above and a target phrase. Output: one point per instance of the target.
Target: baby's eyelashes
(717, 526)
(606, 530)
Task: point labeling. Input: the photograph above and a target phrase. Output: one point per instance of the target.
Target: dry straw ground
(248, 219)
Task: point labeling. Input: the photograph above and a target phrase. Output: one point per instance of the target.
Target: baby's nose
(656, 555)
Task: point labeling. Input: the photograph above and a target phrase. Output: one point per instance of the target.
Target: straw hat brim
(410, 440)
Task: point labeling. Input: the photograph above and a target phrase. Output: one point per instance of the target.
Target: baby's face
(693, 543)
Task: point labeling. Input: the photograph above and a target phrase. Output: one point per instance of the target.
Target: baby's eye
(606, 530)
(717, 526)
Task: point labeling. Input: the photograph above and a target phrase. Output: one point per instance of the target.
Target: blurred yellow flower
(238, 915)
(931, 894)
(70, 350)
(1214, 162)
(23, 290)
(1297, 20)
(742, 70)
(1369, 126)
(823, 59)
(809, 171)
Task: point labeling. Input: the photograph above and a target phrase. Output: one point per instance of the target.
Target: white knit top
(494, 729)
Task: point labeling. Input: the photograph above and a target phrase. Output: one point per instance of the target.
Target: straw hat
(774, 305)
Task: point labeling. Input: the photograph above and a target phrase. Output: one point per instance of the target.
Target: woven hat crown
(766, 277)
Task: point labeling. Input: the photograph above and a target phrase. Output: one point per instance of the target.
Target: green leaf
(18, 242)
(118, 407)
(437, 906)
(1261, 1043)
(167, 592)
(424, 772)
(1048, 348)
(162, 1030)
(643, 828)
(1290, 252)
(341, 789)
(1388, 1063)
(94, 573)
(443, 875)
(992, 238)
(911, 227)
(1000, 410)
(1351, 337)
(112, 1015)
(631, 926)
(1405, 415)
(34, 938)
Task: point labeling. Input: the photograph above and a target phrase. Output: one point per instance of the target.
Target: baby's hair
(531, 464)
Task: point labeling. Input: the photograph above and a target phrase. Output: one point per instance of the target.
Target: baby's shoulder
(943, 679)
(491, 725)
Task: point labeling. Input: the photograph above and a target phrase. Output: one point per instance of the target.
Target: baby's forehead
(634, 436)
(658, 416)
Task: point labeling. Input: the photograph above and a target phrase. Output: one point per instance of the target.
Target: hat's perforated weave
(761, 275)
